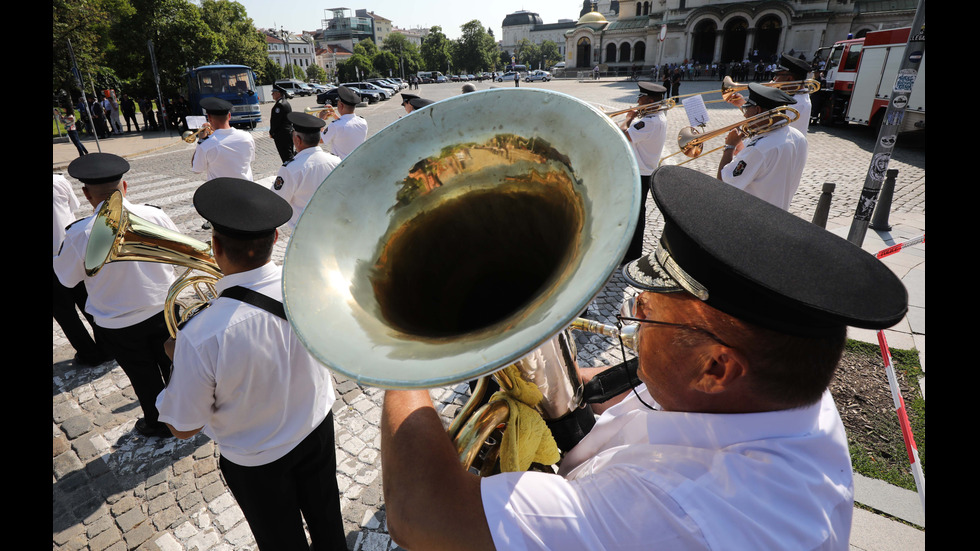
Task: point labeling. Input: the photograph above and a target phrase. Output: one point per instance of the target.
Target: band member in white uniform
(242, 376)
(647, 137)
(227, 152)
(343, 135)
(299, 177)
(126, 299)
(791, 69)
(731, 439)
(769, 165)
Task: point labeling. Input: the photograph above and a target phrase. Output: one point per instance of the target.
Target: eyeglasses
(630, 308)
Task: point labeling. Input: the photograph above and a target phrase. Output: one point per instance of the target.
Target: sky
(300, 15)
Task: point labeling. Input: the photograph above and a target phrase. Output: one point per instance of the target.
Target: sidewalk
(870, 531)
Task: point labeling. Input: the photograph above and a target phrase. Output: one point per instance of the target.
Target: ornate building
(643, 33)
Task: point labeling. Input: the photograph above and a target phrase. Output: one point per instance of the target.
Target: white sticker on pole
(905, 80)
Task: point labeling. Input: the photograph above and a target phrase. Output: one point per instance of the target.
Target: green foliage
(315, 72)
(436, 52)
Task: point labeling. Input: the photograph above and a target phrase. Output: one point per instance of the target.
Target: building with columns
(619, 35)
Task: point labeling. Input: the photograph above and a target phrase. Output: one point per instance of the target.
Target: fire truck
(860, 76)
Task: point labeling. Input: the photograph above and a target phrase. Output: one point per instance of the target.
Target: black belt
(256, 299)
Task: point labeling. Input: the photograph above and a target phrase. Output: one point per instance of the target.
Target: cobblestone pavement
(115, 490)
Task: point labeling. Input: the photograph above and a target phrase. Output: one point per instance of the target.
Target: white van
(558, 67)
(295, 87)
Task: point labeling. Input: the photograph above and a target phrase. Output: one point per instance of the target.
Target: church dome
(592, 17)
(522, 18)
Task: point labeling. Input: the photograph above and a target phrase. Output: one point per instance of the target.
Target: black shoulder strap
(256, 299)
(611, 382)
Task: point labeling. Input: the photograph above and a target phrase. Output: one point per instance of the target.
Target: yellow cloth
(527, 438)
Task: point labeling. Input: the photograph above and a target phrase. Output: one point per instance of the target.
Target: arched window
(624, 52)
(639, 51)
(610, 53)
(638, 9)
(646, 8)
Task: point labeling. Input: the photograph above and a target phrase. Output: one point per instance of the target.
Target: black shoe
(160, 431)
(206, 226)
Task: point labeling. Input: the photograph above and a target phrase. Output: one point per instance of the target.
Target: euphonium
(119, 235)
(450, 246)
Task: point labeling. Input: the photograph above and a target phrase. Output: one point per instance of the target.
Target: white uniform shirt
(122, 293)
(344, 134)
(243, 375)
(648, 136)
(804, 106)
(228, 153)
(770, 166)
(65, 205)
(643, 480)
(299, 178)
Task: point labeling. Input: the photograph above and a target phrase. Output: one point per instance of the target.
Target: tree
(87, 24)
(317, 73)
(357, 64)
(475, 50)
(181, 40)
(549, 53)
(408, 54)
(528, 53)
(239, 41)
(436, 50)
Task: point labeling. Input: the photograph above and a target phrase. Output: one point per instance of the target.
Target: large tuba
(119, 235)
(460, 238)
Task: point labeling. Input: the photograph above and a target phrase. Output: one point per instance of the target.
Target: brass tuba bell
(119, 235)
(460, 238)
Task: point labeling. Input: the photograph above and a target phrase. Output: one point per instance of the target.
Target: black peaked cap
(98, 168)
(762, 264)
(241, 208)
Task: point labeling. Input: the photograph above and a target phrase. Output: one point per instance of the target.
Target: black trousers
(278, 496)
(635, 249)
(139, 351)
(63, 307)
(284, 145)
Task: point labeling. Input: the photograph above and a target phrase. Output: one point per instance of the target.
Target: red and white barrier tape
(903, 419)
(895, 248)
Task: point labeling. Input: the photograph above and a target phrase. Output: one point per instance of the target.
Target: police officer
(242, 376)
(280, 128)
(349, 130)
(790, 69)
(769, 165)
(299, 177)
(647, 137)
(414, 103)
(125, 299)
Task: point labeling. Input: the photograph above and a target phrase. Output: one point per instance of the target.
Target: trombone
(691, 141)
(729, 88)
(646, 109)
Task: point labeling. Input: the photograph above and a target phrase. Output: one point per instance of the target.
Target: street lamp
(285, 41)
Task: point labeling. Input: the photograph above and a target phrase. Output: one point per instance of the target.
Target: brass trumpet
(331, 112)
(691, 141)
(202, 133)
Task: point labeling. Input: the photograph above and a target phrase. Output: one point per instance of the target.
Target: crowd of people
(722, 434)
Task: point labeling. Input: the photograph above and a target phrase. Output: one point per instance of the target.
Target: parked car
(538, 75)
(295, 87)
(364, 85)
(330, 96)
(385, 84)
(508, 76)
(441, 78)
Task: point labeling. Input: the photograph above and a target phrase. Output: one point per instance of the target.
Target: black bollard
(823, 205)
(879, 221)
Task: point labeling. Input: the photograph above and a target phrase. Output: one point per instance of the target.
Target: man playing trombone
(770, 164)
(790, 69)
(647, 137)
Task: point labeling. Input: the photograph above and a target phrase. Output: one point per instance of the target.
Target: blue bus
(233, 83)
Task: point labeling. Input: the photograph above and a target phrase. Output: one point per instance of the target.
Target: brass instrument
(691, 141)
(451, 260)
(331, 112)
(119, 235)
(729, 88)
(201, 133)
(645, 110)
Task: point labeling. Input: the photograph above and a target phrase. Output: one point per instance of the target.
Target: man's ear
(723, 367)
